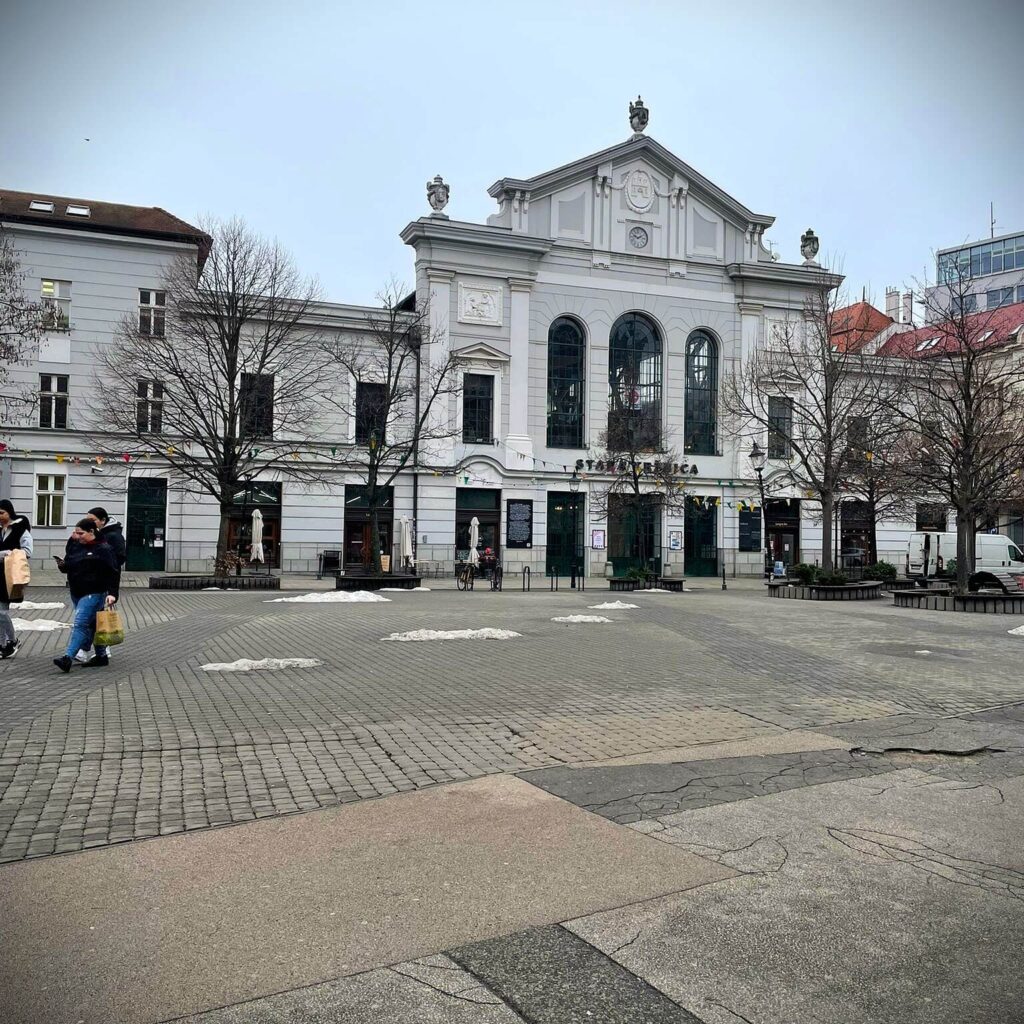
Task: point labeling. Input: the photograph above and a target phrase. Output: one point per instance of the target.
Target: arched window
(700, 418)
(567, 360)
(634, 380)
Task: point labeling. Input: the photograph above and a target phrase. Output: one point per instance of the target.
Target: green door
(561, 549)
(147, 517)
(700, 538)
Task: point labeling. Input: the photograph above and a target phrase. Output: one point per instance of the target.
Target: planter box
(349, 582)
(891, 585)
(813, 592)
(984, 604)
(218, 582)
(673, 583)
(622, 584)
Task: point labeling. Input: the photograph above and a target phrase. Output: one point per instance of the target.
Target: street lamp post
(758, 459)
(574, 487)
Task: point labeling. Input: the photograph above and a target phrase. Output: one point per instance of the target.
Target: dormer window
(76, 210)
(39, 206)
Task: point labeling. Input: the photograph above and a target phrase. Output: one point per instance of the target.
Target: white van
(929, 553)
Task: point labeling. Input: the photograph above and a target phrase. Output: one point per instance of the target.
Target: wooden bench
(403, 582)
(673, 583)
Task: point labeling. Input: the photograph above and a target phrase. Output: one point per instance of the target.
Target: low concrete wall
(985, 604)
(813, 592)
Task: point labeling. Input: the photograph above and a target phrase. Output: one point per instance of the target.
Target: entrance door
(700, 539)
(561, 520)
(240, 533)
(782, 526)
(147, 516)
(358, 541)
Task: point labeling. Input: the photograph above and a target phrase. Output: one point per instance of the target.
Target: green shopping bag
(109, 629)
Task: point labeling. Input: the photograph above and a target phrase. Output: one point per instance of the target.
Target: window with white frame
(53, 401)
(149, 407)
(151, 312)
(478, 408)
(56, 301)
(50, 499)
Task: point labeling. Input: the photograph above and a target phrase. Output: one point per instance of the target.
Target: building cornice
(476, 236)
(784, 273)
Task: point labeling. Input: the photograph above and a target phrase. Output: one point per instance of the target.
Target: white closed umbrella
(405, 541)
(256, 548)
(474, 536)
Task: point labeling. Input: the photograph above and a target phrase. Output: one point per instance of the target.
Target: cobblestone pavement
(154, 745)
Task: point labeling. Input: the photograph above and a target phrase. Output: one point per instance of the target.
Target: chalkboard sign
(750, 530)
(519, 524)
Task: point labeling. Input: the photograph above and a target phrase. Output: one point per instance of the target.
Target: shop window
(931, 517)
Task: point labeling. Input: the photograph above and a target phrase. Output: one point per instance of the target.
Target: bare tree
(21, 327)
(221, 373)
(645, 480)
(803, 390)
(402, 380)
(962, 401)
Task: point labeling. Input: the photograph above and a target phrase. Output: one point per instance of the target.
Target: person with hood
(111, 531)
(93, 577)
(15, 534)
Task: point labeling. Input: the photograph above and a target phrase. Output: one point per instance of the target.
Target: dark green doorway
(700, 537)
(561, 549)
(147, 524)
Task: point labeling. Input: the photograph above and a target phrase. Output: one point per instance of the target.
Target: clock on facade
(638, 238)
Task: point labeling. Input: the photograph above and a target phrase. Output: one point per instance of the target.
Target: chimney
(892, 303)
(908, 308)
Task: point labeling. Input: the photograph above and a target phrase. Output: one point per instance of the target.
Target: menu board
(519, 523)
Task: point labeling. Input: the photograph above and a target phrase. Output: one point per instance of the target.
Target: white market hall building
(625, 260)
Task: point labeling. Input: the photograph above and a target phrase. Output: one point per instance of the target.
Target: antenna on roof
(991, 220)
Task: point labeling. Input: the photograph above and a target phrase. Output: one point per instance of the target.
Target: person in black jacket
(93, 578)
(111, 531)
(15, 535)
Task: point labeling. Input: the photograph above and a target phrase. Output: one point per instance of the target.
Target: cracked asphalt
(862, 799)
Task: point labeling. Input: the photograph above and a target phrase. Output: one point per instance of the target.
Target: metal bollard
(527, 575)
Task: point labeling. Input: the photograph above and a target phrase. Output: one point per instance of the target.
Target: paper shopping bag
(109, 629)
(17, 574)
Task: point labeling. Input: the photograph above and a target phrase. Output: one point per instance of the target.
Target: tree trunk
(221, 567)
(375, 566)
(872, 552)
(827, 508)
(966, 527)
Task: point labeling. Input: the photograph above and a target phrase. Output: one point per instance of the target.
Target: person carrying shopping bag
(93, 576)
(15, 535)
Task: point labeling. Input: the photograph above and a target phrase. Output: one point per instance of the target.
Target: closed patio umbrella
(405, 541)
(474, 537)
(256, 548)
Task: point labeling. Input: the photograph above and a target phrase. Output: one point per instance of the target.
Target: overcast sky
(887, 127)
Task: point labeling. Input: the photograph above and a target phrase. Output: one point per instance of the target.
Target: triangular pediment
(480, 350)
(643, 149)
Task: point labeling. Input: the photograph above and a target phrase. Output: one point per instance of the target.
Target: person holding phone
(93, 576)
(15, 535)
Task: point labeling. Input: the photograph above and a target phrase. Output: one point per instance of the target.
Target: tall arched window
(634, 380)
(701, 408)
(567, 360)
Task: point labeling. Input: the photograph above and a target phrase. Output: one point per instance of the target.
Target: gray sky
(887, 127)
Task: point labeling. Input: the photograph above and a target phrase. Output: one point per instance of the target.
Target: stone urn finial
(437, 196)
(639, 115)
(809, 247)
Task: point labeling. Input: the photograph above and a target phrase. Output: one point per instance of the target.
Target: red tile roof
(1006, 324)
(109, 218)
(854, 326)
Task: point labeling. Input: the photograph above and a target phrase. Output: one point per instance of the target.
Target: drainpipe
(416, 461)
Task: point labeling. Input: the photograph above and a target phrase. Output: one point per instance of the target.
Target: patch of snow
(615, 605)
(211, 588)
(406, 590)
(652, 590)
(922, 652)
(455, 634)
(38, 625)
(580, 618)
(263, 665)
(37, 606)
(1019, 631)
(332, 597)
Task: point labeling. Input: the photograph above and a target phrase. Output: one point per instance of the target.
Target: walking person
(93, 578)
(15, 534)
(111, 531)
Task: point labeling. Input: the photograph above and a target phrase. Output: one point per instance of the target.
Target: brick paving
(153, 745)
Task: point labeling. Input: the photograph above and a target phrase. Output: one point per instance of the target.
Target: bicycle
(464, 577)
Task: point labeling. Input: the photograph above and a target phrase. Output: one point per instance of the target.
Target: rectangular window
(858, 429)
(256, 405)
(149, 407)
(996, 297)
(477, 408)
(151, 312)
(931, 517)
(56, 301)
(780, 427)
(1020, 293)
(371, 412)
(53, 401)
(965, 303)
(49, 500)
